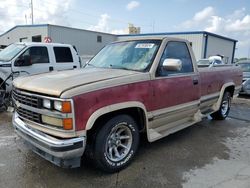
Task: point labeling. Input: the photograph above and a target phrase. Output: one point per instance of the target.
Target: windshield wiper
(90, 65)
(119, 67)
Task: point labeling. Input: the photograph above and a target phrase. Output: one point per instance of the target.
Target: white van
(35, 58)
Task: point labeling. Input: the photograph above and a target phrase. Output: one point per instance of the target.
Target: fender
(216, 106)
(114, 107)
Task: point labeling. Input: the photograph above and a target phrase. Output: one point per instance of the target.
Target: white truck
(34, 58)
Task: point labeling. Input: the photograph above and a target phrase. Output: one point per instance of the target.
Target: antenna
(31, 6)
(26, 19)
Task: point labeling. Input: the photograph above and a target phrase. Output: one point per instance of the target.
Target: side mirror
(172, 64)
(25, 61)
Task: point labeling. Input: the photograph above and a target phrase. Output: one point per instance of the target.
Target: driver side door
(176, 93)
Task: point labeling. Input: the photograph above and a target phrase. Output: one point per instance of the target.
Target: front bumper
(65, 153)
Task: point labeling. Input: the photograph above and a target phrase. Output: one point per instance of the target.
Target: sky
(229, 18)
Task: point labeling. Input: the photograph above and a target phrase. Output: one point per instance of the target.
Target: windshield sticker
(145, 45)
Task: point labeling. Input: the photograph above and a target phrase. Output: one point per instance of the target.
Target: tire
(3, 106)
(116, 143)
(223, 112)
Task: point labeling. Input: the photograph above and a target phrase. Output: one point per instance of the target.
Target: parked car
(210, 62)
(245, 65)
(149, 85)
(21, 59)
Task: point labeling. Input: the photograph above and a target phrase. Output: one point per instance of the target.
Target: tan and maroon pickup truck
(149, 85)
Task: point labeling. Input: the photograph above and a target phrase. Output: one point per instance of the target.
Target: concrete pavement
(208, 154)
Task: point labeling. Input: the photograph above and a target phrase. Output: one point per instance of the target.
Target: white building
(88, 43)
(204, 44)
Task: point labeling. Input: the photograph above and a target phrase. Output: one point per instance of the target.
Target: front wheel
(116, 143)
(223, 112)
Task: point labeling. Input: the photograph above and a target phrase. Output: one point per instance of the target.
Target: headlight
(58, 105)
(63, 106)
(47, 103)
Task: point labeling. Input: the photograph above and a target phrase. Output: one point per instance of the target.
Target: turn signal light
(67, 124)
(66, 107)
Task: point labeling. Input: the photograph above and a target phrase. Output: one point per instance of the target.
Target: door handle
(51, 68)
(74, 67)
(195, 81)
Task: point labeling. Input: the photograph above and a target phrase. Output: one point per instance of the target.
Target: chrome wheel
(225, 106)
(119, 142)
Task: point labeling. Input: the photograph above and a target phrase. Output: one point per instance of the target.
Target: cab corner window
(178, 51)
(63, 55)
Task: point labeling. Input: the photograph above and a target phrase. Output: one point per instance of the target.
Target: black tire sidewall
(102, 160)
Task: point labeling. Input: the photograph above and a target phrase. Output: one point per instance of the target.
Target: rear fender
(216, 106)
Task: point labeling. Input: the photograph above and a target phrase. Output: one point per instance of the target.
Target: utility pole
(31, 6)
(26, 19)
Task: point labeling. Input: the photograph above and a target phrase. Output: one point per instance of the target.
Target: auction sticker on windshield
(144, 45)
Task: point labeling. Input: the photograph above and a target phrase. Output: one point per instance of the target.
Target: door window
(176, 50)
(63, 55)
(37, 54)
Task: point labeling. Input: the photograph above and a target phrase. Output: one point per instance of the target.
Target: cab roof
(42, 44)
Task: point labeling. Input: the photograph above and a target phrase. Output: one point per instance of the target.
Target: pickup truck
(34, 58)
(148, 86)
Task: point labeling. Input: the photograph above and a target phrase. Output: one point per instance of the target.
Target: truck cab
(35, 58)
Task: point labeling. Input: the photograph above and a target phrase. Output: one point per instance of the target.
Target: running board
(158, 133)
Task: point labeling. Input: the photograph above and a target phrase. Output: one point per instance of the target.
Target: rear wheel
(223, 112)
(116, 143)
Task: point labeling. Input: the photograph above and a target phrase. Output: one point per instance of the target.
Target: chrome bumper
(62, 152)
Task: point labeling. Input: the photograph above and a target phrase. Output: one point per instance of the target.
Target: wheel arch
(230, 87)
(131, 108)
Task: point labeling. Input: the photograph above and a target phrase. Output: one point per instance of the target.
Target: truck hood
(55, 83)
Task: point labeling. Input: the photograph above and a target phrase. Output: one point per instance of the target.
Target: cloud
(132, 5)
(239, 24)
(119, 31)
(235, 25)
(198, 18)
(102, 24)
(204, 14)
(16, 12)
(214, 24)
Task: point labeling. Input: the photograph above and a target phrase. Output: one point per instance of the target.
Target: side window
(63, 54)
(37, 54)
(176, 50)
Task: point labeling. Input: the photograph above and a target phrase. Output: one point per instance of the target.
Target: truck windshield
(128, 55)
(11, 51)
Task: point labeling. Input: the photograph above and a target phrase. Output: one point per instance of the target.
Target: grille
(27, 114)
(26, 99)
